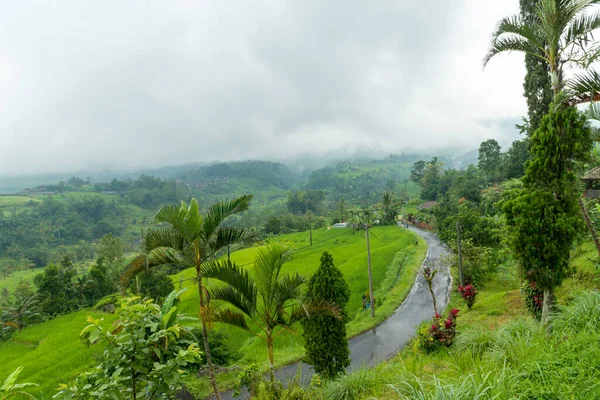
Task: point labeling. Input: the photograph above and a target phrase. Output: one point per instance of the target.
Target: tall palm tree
(182, 236)
(269, 299)
(559, 32)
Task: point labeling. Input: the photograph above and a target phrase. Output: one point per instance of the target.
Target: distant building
(593, 175)
(427, 205)
(340, 225)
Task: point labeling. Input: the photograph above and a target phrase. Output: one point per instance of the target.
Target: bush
(468, 294)
(437, 333)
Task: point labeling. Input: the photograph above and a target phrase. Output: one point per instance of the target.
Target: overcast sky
(128, 84)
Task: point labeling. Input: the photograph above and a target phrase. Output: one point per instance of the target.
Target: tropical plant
(468, 293)
(22, 311)
(324, 335)
(146, 353)
(269, 299)
(389, 208)
(11, 389)
(182, 236)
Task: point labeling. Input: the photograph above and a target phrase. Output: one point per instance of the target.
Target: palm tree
(182, 236)
(559, 32)
(270, 300)
(22, 311)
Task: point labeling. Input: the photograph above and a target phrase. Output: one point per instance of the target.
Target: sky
(127, 84)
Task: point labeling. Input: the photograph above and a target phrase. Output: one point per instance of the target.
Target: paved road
(385, 340)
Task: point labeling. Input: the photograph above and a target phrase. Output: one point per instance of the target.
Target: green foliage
(302, 202)
(56, 292)
(545, 216)
(11, 389)
(353, 386)
(479, 230)
(515, 159)
(533, 298)
(537, 87)
(437, 333)
(269, 299)
(155, 284)
(490, 160)
(416, 172)
(325, 336)
(431, 179)
(144, 358)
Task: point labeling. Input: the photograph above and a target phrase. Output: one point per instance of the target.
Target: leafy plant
(437, 333)
(184, 237)
(145, 355)
(468, 293)
(10, 388)
(534, 298)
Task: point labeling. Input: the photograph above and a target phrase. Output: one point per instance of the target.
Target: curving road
(386, 339)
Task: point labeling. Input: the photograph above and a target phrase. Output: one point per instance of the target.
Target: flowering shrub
(534, 298)
(437, 333)
(468, 294)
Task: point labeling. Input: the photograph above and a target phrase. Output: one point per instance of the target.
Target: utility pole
(460, 266)
(370, 273)
(310, 229)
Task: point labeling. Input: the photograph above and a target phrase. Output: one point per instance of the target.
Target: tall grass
(353, 386)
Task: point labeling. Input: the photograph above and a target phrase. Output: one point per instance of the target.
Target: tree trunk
(429, 284)
(589, 224)
(271, 358)
(211, 371)
(547, 308)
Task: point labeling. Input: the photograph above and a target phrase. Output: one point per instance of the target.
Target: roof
(592, 175)
(427, 205)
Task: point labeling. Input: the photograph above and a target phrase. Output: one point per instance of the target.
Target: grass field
(16, 204)
(52, 353)
(13, 280)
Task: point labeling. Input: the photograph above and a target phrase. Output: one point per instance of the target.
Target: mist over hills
(293, 170)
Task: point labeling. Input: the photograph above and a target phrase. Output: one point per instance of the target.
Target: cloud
(139, 83)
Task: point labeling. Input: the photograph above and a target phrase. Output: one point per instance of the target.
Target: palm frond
(219, 211)
(233, 297)
(240, 290)
(510, 43)
(288, 287)
(583, 88)
(230, 317)
(516, 26)
(164, 237)
(226, 236)
(267, 266)
(579, 31)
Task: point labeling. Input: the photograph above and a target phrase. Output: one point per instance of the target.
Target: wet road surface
(385, 340)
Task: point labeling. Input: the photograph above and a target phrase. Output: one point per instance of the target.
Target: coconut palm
(268, 299)
(182, 236)
(559, 32)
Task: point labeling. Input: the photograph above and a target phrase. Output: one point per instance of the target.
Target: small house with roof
(589, 179)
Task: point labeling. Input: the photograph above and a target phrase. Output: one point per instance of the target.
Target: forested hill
(364, 179)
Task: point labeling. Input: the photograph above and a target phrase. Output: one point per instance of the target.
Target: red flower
(454, 312)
